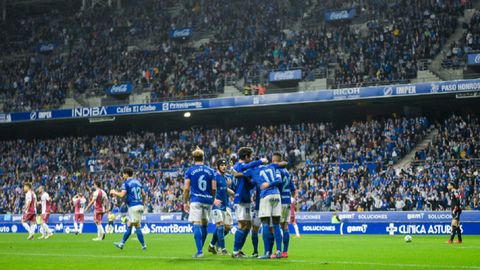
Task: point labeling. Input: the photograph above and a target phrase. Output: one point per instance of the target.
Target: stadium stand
(355, 174)
(83, 57)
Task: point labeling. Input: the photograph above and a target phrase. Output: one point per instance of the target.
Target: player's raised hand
(113, 191)
(264, 160)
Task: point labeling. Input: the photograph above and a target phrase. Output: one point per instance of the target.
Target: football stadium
(225, 134)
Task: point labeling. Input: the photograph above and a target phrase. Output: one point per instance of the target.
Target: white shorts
(199, 212)
(256, 222)
(242, 211)
(222, 216)
(270, 206)
(285, 213)
(135, 214)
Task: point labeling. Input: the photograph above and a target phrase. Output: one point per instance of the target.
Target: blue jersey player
(199, 193)
(131, 190)
(221, 214)
(242, 199)
(267, 181)
(287, 189)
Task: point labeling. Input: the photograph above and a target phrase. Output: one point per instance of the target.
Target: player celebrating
(287, 189)
(268, 181)
(199, 192)
(79, 203)
(29, 211)
(220, 215)
(100, 200)
(132, 190)
(456, 212)
(45, 202)
(242, 199)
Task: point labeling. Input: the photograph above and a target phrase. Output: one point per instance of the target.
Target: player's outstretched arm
(120, 194)
(237, 174)
(90, 204)
(252, 164)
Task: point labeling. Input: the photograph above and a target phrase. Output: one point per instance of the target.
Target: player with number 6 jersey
(199, 193)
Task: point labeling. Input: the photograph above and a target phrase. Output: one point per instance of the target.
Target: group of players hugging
(207, 192)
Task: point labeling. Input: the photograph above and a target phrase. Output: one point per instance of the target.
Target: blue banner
(301, 217)
(392, 223)
(337, 15)
(375, 92)
(181, 33)
(288, 75)
(473, 59)
(46, 47)
(120, 89)
(383, 217)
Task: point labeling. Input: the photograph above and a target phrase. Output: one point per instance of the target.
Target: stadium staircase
(405, 162)
(436, 67)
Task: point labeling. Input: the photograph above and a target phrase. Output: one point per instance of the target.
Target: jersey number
(202, 183)
(137, 193)
(264, 175)
(287, 183)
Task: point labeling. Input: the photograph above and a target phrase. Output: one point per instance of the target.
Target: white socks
(33, 228)
(297, 232)
(75, 226)
(27, 227)
(100, 231)
(45, 229)
(81, 228)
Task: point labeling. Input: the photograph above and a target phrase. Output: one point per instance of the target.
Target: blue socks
(221, 236)
(237, 245)
(266, 237)
(245, 236)
(214, 238)
(197, 235)
(204, 234)
(272, 241)
(277, 232)
(126, 234)
(140, 236)
(255, 241)
(286, 240)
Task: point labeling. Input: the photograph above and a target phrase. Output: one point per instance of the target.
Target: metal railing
(472, 161)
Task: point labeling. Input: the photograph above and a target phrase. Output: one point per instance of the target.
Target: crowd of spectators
(455, 56)
(70, 165)
(95, 48)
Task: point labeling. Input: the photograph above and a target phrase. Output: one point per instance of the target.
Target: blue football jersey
(265, 174)
(222, 193)
(242, 184)
(134, 192)
(201, 178)
(287, 186)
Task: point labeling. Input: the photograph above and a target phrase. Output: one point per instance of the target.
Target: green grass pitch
(175, 251)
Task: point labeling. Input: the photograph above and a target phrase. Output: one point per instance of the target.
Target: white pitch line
(215, 259)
